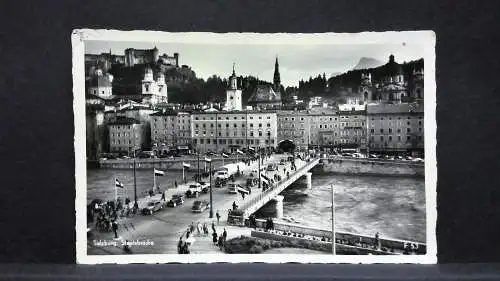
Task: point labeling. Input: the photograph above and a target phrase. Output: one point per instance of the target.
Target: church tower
(277, 79)
(365, 89)
(233, 94)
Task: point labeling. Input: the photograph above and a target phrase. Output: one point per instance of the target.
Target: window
(381, 131)
(260, 125)
(208, 141)
(382, 138)
(408, 130)
(372, 131)
(211, 125)
(196, 132)
(251, 125)
(227, 125)
(235, 125)
(372, 138)
(390, 138)
(390, 130)
(268, 117)
(260, 133)
(408, 138)
(268, 125)
(260, 117)
(219, 125)
(399, 138)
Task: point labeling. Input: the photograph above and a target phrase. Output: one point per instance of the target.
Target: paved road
(165, 227)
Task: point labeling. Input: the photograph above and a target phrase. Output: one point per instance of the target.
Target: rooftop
(394, 108)
(124, 121)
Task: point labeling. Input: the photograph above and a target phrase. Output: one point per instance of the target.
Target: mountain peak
(365, 63)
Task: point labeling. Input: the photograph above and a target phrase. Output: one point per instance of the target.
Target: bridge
(272, 193)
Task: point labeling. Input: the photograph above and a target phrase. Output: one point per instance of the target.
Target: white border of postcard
(426, 38)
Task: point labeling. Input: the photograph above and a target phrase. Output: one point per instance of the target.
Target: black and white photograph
(248, 147)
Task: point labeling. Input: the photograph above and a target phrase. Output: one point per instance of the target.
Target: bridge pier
(308, 179)
(279, 206)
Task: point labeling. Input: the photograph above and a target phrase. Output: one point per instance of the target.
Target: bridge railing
(275, 186)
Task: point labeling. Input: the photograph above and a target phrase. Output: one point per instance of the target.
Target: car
(152, 207)
(418, 160)
(194, 190)
(200, 206)
(177, 199)
(409, 158)
(205, 186)
(222, 175)
(271, 167)
(373, 156)
(219, 182)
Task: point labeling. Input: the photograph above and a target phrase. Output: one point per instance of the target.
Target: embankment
(370, 167)
(164, 164)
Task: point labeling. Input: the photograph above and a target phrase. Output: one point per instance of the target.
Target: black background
(36, 104)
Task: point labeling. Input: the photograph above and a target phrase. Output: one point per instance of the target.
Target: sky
(296, 61)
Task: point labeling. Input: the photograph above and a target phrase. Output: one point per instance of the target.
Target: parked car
(177, 199)
(219, 182)
(205, 186)
(418, 160)
(200, 206)
(194, 190)
(152, 207)
(271, 167)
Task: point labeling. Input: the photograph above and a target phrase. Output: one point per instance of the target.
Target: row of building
(386, 128)
(385, 117)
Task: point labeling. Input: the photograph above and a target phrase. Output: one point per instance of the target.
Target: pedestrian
(175, 184)
(220, 242)
(205, 228)
(163, 196)
(234, 205)
(213, 227)
(188, 233)
(224, 234)
(185, 248)
(198, 228)
(114, 225)
(191, 227)
(218, 216)
(377, 240)
(179, 246)
(214, 238)
(243, 195)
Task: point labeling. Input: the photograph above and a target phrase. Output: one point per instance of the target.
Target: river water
(393, 206)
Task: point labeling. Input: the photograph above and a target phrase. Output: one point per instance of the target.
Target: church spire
(276, 79)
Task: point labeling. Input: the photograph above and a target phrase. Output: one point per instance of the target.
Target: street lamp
(333, 221)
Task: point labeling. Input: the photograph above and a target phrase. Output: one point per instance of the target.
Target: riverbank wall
(344, 238)
(353, 166)
(165, 164)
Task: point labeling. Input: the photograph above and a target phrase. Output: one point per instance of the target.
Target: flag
(208, 160)
(118, 183)
(239, 151)
(185, 165)
(159, 173)
(225, 155)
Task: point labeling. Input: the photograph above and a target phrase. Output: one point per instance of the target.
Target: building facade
(396, 128)
(125, 135)
(170, 130)
(294, 126)
(154, 91)
(218, 131)
(100, 84)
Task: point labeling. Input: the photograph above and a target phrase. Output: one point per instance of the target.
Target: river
(393, 206)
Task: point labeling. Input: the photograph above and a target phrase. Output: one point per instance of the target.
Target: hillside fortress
(131, 57)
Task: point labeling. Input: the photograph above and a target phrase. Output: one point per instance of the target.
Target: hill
(365, 63)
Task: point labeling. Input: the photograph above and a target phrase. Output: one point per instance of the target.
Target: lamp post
(333, 221)
(136, 205)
